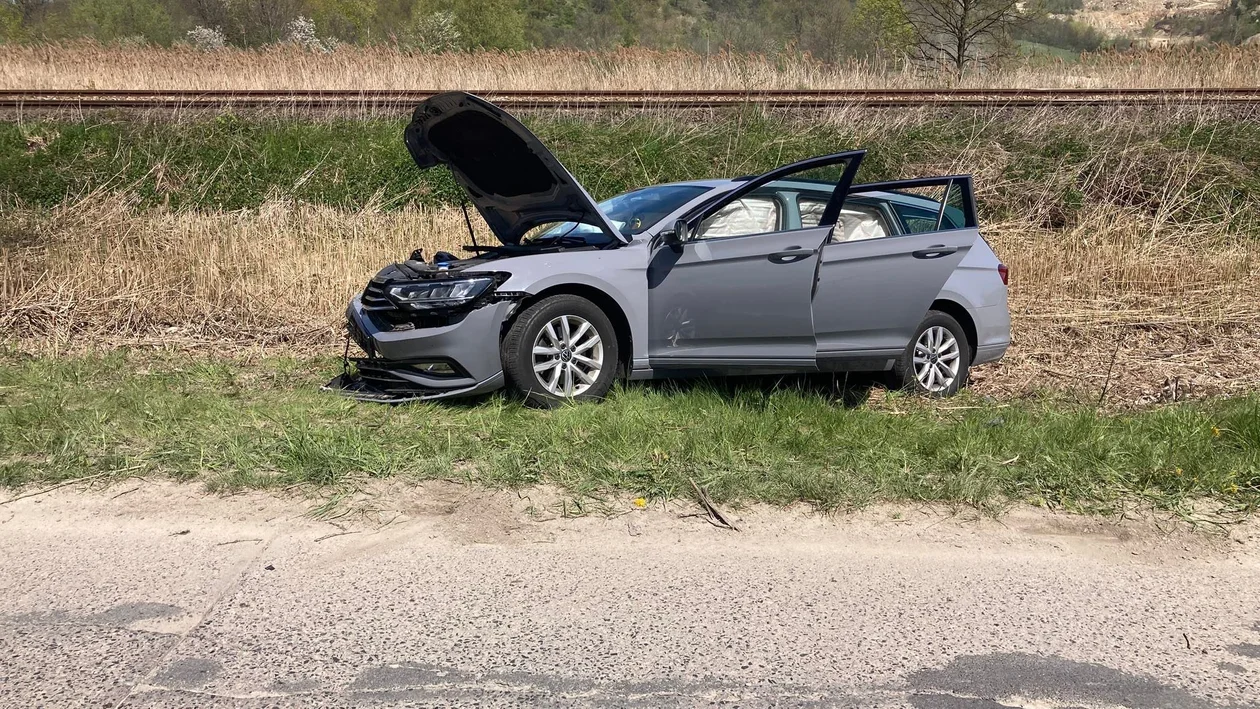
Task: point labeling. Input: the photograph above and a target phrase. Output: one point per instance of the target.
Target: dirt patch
(465, 514)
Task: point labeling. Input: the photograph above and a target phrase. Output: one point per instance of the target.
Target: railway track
(824, 98)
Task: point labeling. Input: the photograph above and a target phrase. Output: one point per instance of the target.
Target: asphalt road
(160, 596)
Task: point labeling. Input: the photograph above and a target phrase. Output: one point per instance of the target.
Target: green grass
(266, 425)
(1029, 162)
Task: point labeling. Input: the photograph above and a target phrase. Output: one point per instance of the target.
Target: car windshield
(631, 212)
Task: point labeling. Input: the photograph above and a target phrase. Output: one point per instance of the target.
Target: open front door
(894, 246)
(736, 294)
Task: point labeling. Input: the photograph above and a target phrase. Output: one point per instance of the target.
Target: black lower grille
(386, 381)
(383, 375)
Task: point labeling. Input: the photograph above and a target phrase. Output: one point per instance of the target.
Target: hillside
(1132, 17)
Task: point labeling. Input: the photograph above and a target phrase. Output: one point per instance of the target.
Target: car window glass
(919, 208)
(859, 224)
(631, 213)
(761, 211)
(955, 203)
(636, 211)
(811, 211)
(856, 222)
(754, 214)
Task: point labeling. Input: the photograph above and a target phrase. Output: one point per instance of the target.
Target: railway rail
(83, 99)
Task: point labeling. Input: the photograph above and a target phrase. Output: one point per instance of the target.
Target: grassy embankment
(265, 425)
(1131, 235)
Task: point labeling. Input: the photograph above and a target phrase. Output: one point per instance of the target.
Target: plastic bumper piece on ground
(357, 387)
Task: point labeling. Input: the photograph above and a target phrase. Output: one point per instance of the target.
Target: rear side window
(856, 222)
(859, 224)
(811, 211)
(920, 208)
(917, 221)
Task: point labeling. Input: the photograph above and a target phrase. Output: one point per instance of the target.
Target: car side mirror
(677, 235)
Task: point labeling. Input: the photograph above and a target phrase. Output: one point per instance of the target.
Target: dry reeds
(86, 65)
(100, 267)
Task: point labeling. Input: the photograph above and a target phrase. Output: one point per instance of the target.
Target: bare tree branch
(964, 32)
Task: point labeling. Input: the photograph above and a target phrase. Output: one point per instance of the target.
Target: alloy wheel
(936, 359)
(568, 356)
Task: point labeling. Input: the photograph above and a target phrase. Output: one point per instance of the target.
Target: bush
(125, 21)
(434, 32)
(206, 39)
(1233, 24)
(301, 31)
(10, 24)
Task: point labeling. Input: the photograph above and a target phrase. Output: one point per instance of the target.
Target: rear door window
(917, 220)
(764, 205)
(924, 205)
(929, 208)
(856, 223)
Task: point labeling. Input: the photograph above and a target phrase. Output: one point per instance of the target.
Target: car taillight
(1004, 273)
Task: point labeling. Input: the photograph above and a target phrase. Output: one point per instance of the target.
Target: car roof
(899, 197)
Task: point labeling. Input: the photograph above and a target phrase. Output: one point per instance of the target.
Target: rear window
(917, 221)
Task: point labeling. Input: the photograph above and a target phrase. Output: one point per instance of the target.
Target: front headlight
(430, 295)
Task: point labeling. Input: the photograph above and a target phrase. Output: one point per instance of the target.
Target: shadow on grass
(850, 389)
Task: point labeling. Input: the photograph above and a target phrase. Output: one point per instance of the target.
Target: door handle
(791, 254)
(935, 251)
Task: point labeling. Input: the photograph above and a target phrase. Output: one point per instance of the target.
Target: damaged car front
(432, 328)
(427, 331)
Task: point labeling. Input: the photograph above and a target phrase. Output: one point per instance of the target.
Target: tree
(885, 25)
(110, 20)
(263, 21)
(347, 20)
(10, 23)
(490, 24)
(31, 10)
(434, 32)
(961, 33)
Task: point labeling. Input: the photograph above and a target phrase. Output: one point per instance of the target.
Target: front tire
(559, 349)
(937, 360)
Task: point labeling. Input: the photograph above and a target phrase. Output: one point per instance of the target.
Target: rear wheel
(561, 348)
(937, 360)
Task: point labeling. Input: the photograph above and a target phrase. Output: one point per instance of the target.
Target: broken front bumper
(458, 359)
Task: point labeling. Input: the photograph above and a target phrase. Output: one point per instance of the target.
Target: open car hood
(511, 177)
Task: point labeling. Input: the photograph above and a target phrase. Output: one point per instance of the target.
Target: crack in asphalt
(232, 583)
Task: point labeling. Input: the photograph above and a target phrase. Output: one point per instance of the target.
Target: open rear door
(892, 249)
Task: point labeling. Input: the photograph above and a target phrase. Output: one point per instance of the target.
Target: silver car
(795, 270)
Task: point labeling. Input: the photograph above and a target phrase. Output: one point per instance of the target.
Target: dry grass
(87, 65)
(99, 267)
(1177, 303)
